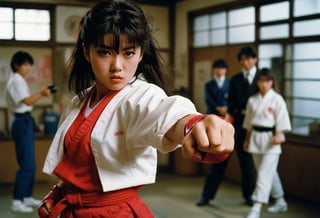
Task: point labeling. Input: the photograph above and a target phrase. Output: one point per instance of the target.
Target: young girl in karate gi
(106, 145)
(266, 120)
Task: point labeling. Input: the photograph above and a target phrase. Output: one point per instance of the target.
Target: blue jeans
(23, 127)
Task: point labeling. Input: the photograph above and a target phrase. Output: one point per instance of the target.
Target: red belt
(94, 199)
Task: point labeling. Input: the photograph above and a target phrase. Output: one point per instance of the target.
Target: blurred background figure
(20, 101)
(216, 94)
(266, 120)
(241, 88)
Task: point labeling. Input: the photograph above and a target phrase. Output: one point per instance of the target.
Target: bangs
(265, 77)
(118, 39)
(124, 21)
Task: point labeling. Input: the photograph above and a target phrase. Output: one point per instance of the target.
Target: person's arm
(210, 134)
(246, 141)
(31, 100)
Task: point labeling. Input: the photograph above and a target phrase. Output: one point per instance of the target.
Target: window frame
(285, 42)
(14, 42)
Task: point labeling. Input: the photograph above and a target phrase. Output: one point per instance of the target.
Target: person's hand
(246, 145)
(49, 201)
(229, 118)
(222, 110)
(45, 91)
(209, 135)
(278, 138)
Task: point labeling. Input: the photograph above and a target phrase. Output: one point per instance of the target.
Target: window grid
(233, 26)
(288, 39)
(25, 24)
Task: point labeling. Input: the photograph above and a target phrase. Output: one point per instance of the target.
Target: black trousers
(216, 171)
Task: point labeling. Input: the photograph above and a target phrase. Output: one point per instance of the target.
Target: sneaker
(278, 207)
(31, 202)
(253, 214)
(18, 206)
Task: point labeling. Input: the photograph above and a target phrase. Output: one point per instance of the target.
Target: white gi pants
(268, 180)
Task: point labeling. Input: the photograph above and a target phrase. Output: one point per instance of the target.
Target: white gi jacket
(266, 111)
(126, 136)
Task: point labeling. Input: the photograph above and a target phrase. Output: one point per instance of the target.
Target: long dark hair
(119, 17)
(265, 74)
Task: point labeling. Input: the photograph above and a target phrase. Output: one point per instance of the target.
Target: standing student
(20, 102)
(216, 94)
(240, 88)
(106, 145)
(266, 120)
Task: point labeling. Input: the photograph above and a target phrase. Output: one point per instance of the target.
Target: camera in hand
(53, 88)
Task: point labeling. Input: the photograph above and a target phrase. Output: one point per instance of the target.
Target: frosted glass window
(241, 16)
(6, 14)
(306, 70)
(241, 34)
(305, 7)
(201, 39)
(274, 31)
(6, 23)
(272, 12)
(306, 89)
(270, 50)
(219, 37)
(310, 108)
(32, 25)
(219, 20)
(305, 51)
(32, 16)
(301, 124)
(306, 28)
(264, 63)
(201, 23)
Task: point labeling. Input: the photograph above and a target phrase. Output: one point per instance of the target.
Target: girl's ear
(86, 53)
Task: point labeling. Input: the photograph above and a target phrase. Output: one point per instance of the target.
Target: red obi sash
(120, 203)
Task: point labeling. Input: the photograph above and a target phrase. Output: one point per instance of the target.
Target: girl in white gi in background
(266, 120)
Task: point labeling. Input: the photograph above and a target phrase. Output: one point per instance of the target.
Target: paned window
(288, 43)
(24, 24)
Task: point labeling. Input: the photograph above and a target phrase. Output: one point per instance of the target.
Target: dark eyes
(105, 52)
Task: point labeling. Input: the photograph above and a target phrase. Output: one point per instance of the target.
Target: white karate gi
(266, 111)
(127, 135)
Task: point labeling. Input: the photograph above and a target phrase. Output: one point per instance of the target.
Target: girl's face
(264, 85)
(113, 69)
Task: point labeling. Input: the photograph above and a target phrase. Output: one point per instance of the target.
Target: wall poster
(201, 74)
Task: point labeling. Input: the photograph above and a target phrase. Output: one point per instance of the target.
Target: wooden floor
(174, 196)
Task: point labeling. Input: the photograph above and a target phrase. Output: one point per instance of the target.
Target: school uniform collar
(250, 74)
(219, 81)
